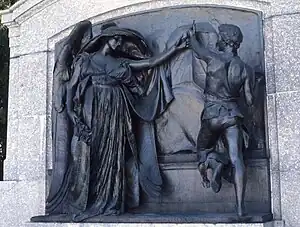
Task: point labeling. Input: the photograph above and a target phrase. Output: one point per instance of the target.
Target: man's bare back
(221, 73)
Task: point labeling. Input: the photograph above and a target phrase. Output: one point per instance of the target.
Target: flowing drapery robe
(158, 96)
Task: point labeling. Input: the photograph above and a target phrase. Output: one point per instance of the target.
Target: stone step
(164, 218)
(267, 224)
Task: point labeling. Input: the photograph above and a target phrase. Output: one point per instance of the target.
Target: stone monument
(144, 108)
(111, 88)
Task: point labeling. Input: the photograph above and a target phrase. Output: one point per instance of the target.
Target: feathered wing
(80, 35)
(62, 128)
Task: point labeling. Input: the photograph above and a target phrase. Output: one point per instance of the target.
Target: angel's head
(119, 42)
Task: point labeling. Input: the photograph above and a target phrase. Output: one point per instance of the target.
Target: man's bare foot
(203, 172)
(241, 211)
(205, 183)
(216, 181)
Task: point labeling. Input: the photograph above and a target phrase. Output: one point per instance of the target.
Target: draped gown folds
(103, 175)
(98, 177)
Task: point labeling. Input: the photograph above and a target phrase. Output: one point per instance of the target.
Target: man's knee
(237, 162)
(236, 155)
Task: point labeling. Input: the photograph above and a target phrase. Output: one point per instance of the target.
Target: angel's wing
(61, 128)
(81, 34)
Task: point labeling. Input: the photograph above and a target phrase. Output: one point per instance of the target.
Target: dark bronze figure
(109, 91)
(62, 129)
(227, 76)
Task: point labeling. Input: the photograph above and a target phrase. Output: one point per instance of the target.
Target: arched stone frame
(122, 9)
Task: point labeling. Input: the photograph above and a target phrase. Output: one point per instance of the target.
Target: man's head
(230, 35)
(115, 42)
(210, 40)
(206, 34)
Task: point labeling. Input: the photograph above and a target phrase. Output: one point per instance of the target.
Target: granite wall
(36, 25)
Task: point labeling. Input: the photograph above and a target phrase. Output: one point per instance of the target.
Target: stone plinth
(268, 224)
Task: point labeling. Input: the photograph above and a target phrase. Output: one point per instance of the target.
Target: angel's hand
(182, 42)
(73, 116)
(85, 134)
(192, 31)
(192, 43)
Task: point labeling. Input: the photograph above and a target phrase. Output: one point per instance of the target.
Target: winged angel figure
(107, 88)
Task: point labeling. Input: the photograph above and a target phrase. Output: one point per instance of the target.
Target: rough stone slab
(10, 164)
(272, 140)
(288, 124)
(19, 200)
(14, 31)
(269, 56)
(13, 41)
(280, 7)
(286, 52)
(290, 198)
(31, 151)
(271, 131)
(14, 52)
(275, 194)
(14, 88)
(32, 83)
(11, 167)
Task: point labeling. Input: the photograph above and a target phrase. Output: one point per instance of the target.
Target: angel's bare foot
(80, 217)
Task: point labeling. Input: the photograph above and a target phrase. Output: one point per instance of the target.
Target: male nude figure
(227, 76)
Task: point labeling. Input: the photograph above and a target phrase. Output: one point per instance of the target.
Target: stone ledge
(267, 224)
(162, 218)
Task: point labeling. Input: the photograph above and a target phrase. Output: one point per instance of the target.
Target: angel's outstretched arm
(159, 59)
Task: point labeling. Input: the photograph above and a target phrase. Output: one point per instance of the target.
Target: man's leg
(203, 172)
(216, 181)
(206, 142)
(234, 142)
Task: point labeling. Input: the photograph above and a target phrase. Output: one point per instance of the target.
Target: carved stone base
(163, 218)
